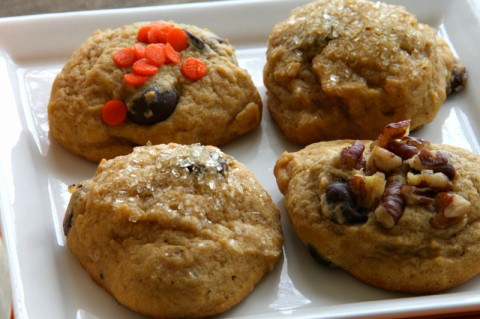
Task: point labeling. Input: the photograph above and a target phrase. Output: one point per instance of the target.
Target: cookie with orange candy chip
(151, 82)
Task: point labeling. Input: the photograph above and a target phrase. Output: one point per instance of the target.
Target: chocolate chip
(339, 195)
(153, 106)
(220, 40)
(458, 79)
(195, 41)
(78, 191)
(68, 221)
(318, 257)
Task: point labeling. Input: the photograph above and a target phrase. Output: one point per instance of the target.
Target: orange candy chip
(124, 57)
(135, 78)
(178, 39)
(155, 53)
(171, 55)
(193, 69)
(164, 43)
(144, 67)
(139, 51)
(158, 33)
(114, 112)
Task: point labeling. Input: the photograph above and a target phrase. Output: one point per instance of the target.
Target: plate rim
(463, 301)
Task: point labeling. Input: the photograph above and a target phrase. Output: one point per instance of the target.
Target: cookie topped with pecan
(398, 202)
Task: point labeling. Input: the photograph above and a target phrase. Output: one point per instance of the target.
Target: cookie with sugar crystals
(346, 68)
(398, 213)
(174, 231)
(156, 82)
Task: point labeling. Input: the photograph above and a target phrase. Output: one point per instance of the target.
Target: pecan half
(451, 209)
(390, 210)
(352, 156)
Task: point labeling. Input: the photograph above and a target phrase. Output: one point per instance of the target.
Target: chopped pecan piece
(418, 142)
(448, 170)
(429, 159)
(352, 156)
(368, 189)
(383, 160)
(407, 147)
(436, 181)
(451, 209)
(436, 161)
(452, 205)
(417, 176)
(392, 132)
(418, 196)
(390, 210)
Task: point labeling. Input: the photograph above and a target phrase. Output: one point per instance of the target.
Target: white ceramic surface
(5, 291)
(35, 171)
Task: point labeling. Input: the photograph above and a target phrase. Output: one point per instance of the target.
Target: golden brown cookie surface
(174, 231)
(345, 68)
(401, 215)
(168, 107)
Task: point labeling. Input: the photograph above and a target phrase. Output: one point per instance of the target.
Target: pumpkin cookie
(156, 82)
(398, 213)
(346, 68)
(174, 231)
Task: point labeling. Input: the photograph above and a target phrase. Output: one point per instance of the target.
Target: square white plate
(35, 171)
